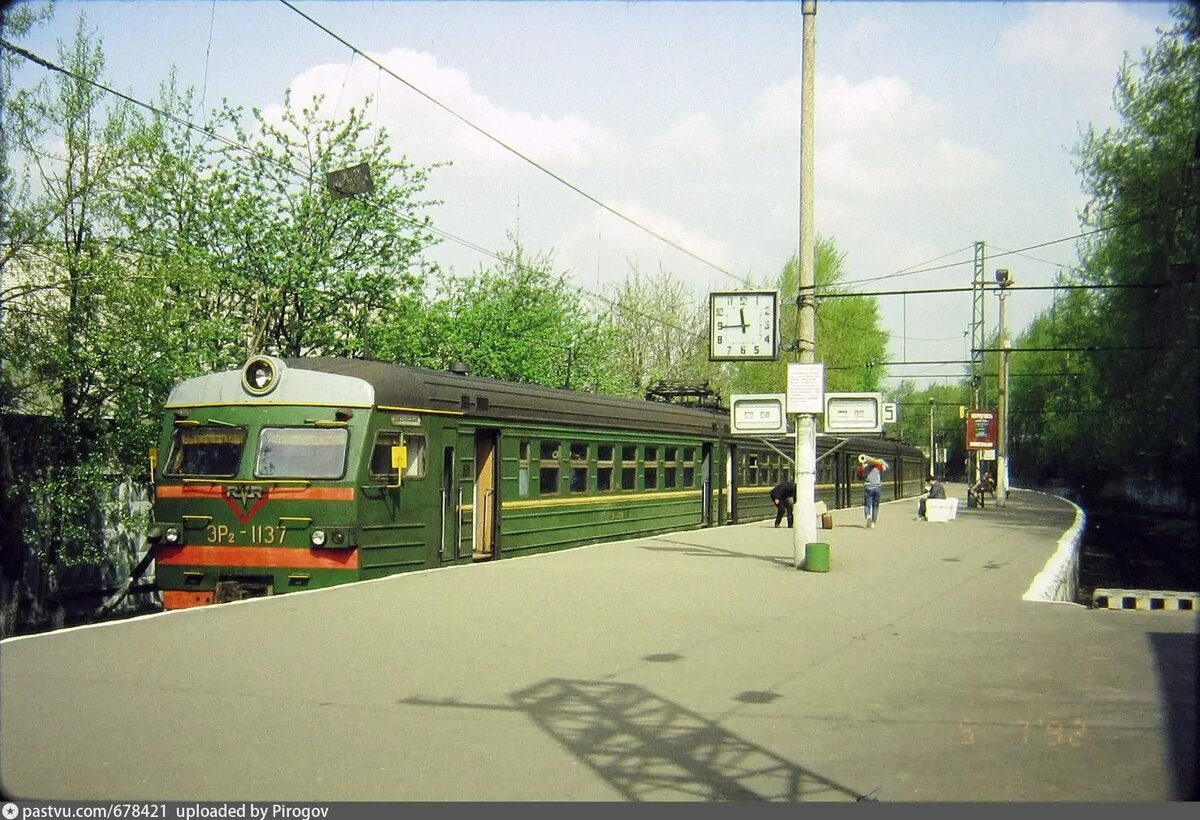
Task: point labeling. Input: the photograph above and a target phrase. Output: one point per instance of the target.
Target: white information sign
(853, 413)
(805, 388)
(757, 414)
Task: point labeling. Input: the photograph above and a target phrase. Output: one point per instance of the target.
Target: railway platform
(696, 666)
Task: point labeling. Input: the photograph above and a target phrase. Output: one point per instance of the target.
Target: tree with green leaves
(519, 320)
(304, 271)
(658, 327)
(1133, 399)
(67, 334)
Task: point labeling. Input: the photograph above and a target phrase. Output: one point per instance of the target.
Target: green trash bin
(816, 557)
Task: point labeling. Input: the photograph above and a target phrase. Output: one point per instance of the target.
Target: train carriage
(293, 474)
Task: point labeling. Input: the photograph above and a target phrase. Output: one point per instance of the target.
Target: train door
(487, 461)
(448, 549)
(730, 483)
(842, 477)
(706, 512)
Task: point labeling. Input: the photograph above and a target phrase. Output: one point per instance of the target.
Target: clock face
(743, 325)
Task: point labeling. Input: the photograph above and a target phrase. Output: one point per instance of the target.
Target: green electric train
(292, 474)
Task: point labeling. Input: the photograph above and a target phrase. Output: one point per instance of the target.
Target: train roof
(419, 388)
(337, 381)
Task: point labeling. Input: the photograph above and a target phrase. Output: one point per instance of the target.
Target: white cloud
(878, 140)
(696, 135)
(427, 133)
(1077, 43)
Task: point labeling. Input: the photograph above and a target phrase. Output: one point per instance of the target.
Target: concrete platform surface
(699, 666)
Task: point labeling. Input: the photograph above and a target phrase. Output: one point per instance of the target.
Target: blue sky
(937, 125)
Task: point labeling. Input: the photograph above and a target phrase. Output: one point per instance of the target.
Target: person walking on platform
(934, 490)
(870, 471)
(783, 496)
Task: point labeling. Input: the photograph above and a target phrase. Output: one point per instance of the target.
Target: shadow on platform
(1175, 657)
(651, 749)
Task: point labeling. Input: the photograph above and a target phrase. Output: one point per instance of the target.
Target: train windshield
(301, 452)
(206, 451)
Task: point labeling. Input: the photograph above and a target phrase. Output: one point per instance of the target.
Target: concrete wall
(1059, 578)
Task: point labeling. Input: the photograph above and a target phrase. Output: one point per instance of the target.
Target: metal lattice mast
(978, 330)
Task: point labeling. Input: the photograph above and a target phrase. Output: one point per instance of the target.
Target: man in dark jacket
(936, 490)
(783, 496)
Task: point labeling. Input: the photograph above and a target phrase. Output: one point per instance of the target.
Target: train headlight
(261, 374)
(317, 538)
(171, 535)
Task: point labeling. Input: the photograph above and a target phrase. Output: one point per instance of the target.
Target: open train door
(487, 462)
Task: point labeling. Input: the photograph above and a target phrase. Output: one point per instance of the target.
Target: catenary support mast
(806, 423)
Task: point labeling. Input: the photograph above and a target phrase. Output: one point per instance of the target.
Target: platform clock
(743, 325)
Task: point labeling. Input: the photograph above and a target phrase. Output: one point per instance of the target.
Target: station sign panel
(981, 429)
(853, 413)
(758, 414)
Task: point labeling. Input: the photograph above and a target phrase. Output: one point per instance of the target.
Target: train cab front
(254, 495)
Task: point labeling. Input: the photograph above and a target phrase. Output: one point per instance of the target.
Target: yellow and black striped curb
(1145, 599)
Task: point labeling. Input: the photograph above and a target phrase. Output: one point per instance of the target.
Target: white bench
(941, 509)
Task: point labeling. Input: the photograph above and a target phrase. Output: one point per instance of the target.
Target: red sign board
(981, 429)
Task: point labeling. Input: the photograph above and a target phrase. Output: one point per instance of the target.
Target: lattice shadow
(652, 749)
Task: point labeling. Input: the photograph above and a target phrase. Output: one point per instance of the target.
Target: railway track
(1135, 548)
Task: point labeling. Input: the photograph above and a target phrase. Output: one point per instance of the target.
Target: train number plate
(257, 534)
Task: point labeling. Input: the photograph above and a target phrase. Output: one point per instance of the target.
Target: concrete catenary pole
(1004, 279)
(806, 423)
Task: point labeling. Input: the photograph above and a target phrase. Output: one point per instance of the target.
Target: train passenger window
(669, 455)
(669, 473)
(604, 467)
(548, 468)
(689, 466)
(751, 470)
(651, 471)
(206, 451)
(302, 452)
(523, 469)
(579, 466)
(381, 455)
(629, 468)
